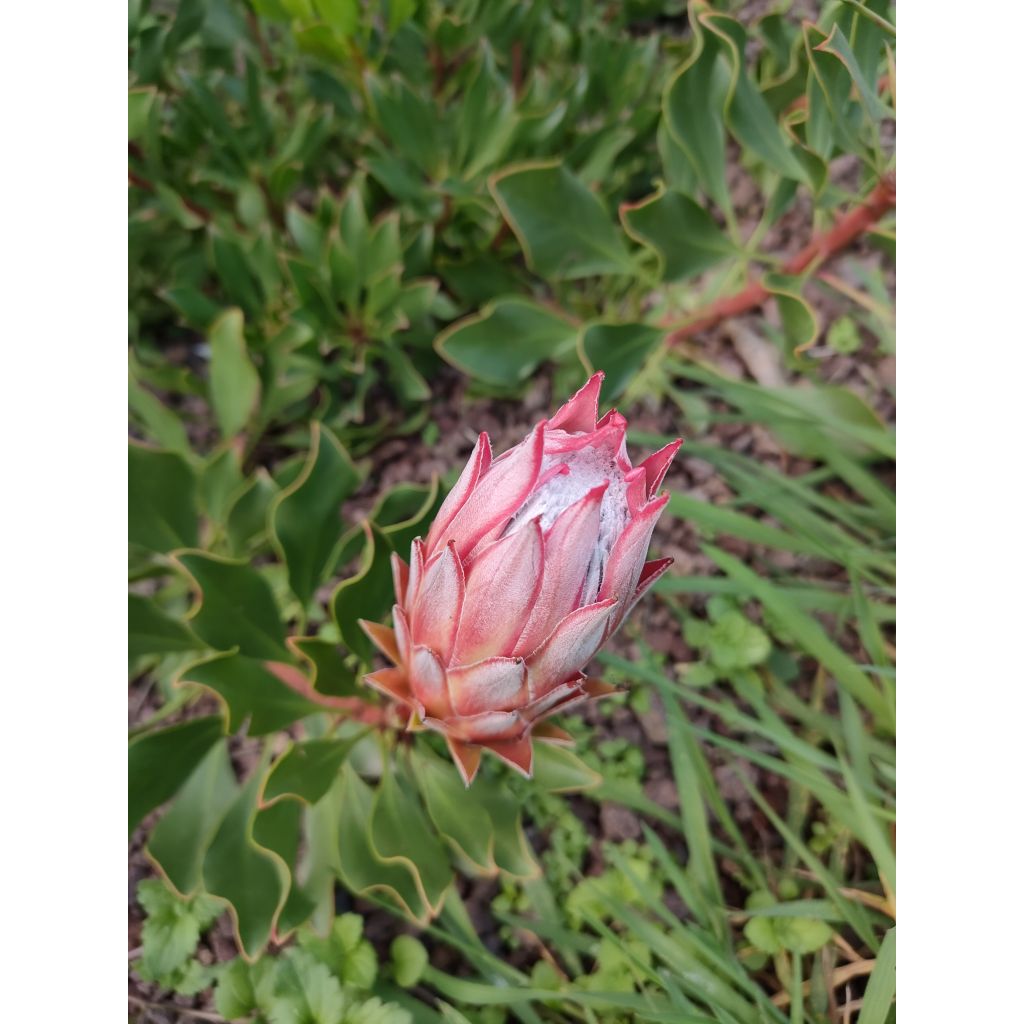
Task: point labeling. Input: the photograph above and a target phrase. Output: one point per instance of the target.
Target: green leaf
(161, 500)
(278, 828)
(253, 880)
(802, 935)
(563, 228)
(233, 996)
(799, 321)
(402, 834)
(162, 425)
(361, 868)
(558, 770)
(506, 341)
(160, 762)
(307, 770)
(172, 927)
(178, 842)
(367, 595)
(250, 690)
(843, 336)
(620, 350)
(682, 233)
(306, 516)
(152, 631)
(692, 107)
(881, 990)
(247, 517)
(748, 116)
(736, 642)
(140, 103)
(459, 814)
(512, 852)
(807, 633)
(220, 480)
(234, 382)
(330, 673)
(408, 960)
(236, 607)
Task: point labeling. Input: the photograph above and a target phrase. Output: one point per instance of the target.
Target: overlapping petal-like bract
(533, 561)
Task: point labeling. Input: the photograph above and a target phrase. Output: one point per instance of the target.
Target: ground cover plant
(361, 234)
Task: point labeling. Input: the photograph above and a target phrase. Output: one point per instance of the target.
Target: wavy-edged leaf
(682, 233)
(564, 229)
(402, 833)
(250, 691)
(747, 114)
(620, 350)
(180, 838)
(152, 631)
(367, 595)
(235, 606)
(799, 321)
(160, 762)
(307, 770)
(161, 499)
(693, 106)
(331, 675)
(278, 828)
(360, 866)
(506, 341)
(306, 516)
(253, 880)
(458, 813)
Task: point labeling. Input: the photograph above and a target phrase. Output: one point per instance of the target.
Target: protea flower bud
(533, 561)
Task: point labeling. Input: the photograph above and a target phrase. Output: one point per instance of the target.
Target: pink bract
(533, 561)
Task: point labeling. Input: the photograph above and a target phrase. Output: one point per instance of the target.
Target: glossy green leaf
(250, 691)
(179, 840)
(748, 116)
(234, 382)
(682, 233)
(693, 107)
(252, 880)
(620, 350)
(506, 341)
(247, 518)
(278, 828)
(159, 762)
(367, 595)
(402, 834)
(153, 631)
(161, 500)
(306, 516)
(458, 813)
(236, 607)
(307, 770)
(361, 867)
(331, 675)
(564, 229)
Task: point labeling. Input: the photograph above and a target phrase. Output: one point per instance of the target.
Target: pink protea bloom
(533, 561)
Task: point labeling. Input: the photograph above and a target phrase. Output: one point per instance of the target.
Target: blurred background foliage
(354, 224)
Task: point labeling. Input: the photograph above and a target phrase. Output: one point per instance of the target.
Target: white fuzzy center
(588, 468)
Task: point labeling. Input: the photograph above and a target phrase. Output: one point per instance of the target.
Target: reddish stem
(821, 247)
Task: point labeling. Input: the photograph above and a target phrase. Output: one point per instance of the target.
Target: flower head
(533, 561)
